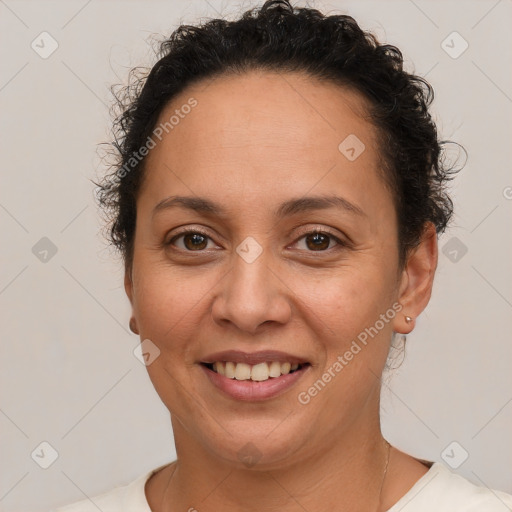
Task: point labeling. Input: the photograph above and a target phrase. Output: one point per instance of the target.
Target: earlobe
(133, 325)
(417, 280)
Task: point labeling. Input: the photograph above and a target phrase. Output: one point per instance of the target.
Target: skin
(251, 143)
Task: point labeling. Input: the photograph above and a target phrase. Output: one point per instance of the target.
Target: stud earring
(408, 319)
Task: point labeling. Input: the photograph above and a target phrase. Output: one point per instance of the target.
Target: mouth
(257, 373)
(256, 376)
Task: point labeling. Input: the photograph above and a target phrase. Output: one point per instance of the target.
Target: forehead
(261, 109)
(264, 132)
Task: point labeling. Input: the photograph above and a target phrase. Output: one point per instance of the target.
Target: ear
(417, 280)
(128, 284)
(128, 287)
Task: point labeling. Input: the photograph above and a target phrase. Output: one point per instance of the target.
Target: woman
(277, 200)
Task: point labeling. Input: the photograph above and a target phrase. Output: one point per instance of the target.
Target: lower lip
(250, 390)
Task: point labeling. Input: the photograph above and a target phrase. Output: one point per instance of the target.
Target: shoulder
(126, 498)
(443, 491)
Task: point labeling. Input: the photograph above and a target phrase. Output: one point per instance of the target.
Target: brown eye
(192, 241)
(318, 241)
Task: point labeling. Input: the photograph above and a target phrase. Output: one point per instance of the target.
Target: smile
(257, 372)
(251, 377)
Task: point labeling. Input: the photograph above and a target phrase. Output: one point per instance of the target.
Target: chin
(258, 448)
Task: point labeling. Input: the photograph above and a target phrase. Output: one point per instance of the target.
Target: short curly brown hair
(279, 37)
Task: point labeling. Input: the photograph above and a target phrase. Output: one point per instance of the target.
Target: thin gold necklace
(384, 476)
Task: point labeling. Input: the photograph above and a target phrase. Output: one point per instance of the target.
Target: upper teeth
(259, 372)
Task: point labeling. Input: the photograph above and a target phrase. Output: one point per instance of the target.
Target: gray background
(69, 376)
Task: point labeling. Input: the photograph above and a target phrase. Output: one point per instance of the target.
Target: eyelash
(341, 244)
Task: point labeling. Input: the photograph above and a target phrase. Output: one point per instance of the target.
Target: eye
(320, 241)
(193, 240)
(315, 241)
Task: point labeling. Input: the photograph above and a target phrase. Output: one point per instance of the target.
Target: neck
(347, 474)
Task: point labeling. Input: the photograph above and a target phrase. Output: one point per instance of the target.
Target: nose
(252, 294)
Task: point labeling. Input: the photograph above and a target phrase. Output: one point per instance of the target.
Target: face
(262, 272)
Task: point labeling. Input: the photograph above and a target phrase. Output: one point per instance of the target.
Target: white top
(438, 490)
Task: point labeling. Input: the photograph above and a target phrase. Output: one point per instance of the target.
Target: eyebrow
(290, 207)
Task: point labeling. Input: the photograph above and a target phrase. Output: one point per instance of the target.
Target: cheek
(167, 301)
(356, 343)
(346, 301)
(167, 304)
